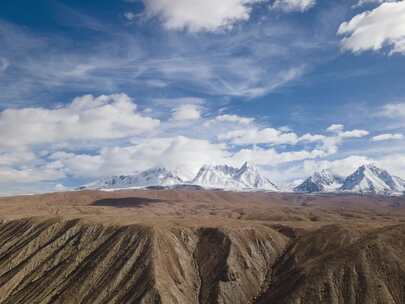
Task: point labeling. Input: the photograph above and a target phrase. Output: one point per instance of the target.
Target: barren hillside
(201, 247)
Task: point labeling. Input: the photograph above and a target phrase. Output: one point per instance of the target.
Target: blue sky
(95, 88)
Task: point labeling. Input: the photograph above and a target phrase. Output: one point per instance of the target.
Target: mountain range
(367, 179)
(227, 177)
(148, 178)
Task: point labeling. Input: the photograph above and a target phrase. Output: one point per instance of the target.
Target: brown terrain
(206, 247)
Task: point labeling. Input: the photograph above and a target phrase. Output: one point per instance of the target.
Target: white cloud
(353, 134)
(393, 110)
(86, 118)
(16, 156)
(172, 153)
(343, 167)
(335, 128)
(338, 129)
(375, 29)
(388, 136)
(35, 174)
(271, 157)
(293, 5)
(186, 112)
(280, 137)
(256, 136)
(60, 188)
(394, 163)
(196, 15)
(234, 119)
(312, 138)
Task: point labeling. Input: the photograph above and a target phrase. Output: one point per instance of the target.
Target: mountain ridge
(366, 179)
(247, 177)
(323, 181)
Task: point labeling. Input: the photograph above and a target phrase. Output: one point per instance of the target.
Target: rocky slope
(150, 246)
(338, 265)
(56, 261)
(75, 261)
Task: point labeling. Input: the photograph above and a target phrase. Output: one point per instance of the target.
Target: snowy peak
(323, 181)
(327, 178)
(366, 179)
(227, 177)
(371, 179)
(250, 176)
(216, 177)
(158, 177)
(151, 177)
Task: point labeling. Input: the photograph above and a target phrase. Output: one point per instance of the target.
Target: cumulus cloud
(47, 172)
(173, 153)
(338, 129)
(335, 128)
(388, 136)
(234, 119)
(344, 166)
(229, 121)
(393, 110)
(86, 118)
(256, 136)
(271, 157)
(293, 5)
(186, 112)
(196, 15)
(273, 136)
(375, 29)
(353, 134)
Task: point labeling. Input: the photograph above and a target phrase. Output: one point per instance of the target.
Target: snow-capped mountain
(151, 177)
(216, 177)
(251, 177)
(323, 181)
(227, 177)
(366, 179)
(371, 179)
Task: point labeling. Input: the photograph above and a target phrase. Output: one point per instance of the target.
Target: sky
(90, 89)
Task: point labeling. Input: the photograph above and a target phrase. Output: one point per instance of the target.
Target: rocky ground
(201, 247)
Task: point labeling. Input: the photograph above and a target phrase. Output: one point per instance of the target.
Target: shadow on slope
(127, 202)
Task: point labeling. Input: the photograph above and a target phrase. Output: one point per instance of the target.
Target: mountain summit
(323, 181)
(371, 179)
(366, 179)
(227, 177)
(148, 178)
